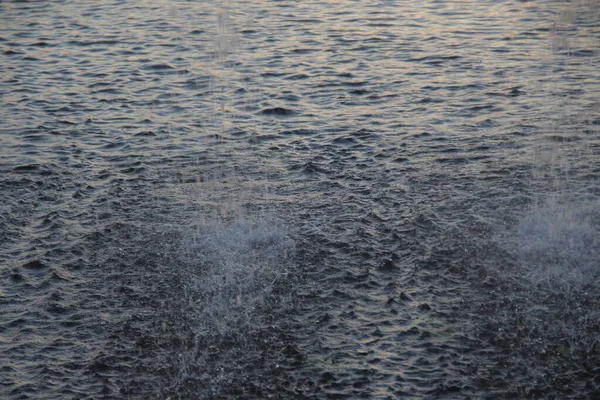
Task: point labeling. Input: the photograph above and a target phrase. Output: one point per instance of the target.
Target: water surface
(380, 199)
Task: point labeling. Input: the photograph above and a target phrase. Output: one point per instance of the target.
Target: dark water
(379, 199)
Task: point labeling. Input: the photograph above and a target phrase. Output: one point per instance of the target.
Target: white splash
(560, 243)
(233, 269)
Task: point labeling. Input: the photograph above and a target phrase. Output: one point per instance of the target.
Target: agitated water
(381, 199)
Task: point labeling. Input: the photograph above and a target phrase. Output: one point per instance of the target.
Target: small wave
(10, 52)
(35, 264)
(158, 67)
(277, 111)
(27, 167)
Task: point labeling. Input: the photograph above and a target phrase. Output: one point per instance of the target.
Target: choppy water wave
(151, 151)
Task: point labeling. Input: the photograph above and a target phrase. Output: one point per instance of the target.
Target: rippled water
(380, 199)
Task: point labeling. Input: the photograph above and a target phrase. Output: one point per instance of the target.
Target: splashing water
(559, 243)
(233, 270)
